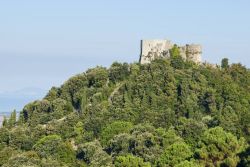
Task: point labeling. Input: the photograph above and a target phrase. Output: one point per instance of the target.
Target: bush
(53, 146)
(130, 161)
(93, 155)
(113, 129)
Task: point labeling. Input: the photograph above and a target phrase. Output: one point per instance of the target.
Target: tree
(145, 142)
(53, 94)
(60, 108)
(119, 145)
(169, 137)
(175, 51)
(225, 63)
(4, 135)
(188, 164)
(71, 87)
(118, 71)
(19, 139)
(24, 159)
(5, 154)
(53, 146)
(175, 154)
(114, 129)
(93, 155)
(130, 161)
(97, 77)
(12, 119)
(5, 122)
(176, 59)
(245, 158)
(220, 148)
(190, 130)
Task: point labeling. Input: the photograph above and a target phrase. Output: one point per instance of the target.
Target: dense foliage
(166, 113)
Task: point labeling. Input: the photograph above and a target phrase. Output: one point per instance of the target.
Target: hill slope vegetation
(166, 113)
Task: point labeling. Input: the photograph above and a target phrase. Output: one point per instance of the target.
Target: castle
(153, 49)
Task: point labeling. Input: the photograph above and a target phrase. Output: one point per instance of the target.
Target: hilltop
(169, 112)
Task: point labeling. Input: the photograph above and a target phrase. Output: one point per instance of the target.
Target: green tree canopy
(220, 148)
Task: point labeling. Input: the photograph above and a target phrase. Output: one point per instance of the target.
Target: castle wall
(152, 49)
(194, 52)
(183, 50)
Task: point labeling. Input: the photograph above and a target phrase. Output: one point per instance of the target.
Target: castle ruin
(153, 49)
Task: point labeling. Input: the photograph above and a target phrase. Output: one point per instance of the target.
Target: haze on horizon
(43, 43)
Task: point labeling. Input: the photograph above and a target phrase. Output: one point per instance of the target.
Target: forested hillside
(167, 113)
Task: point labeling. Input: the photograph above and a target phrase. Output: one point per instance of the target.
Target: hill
(166, 113)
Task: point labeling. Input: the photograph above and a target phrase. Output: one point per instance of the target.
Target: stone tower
(194, 52)
(153, 49)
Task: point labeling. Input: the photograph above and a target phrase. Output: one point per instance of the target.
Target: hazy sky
(42, 43)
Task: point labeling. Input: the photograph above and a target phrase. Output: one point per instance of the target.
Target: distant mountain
(17, 99)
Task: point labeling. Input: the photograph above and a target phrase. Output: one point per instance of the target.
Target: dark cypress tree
(225, 63)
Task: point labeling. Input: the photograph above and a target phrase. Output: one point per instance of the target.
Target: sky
(43, 43)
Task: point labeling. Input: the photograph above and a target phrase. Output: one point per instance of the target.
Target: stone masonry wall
(152, 49)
